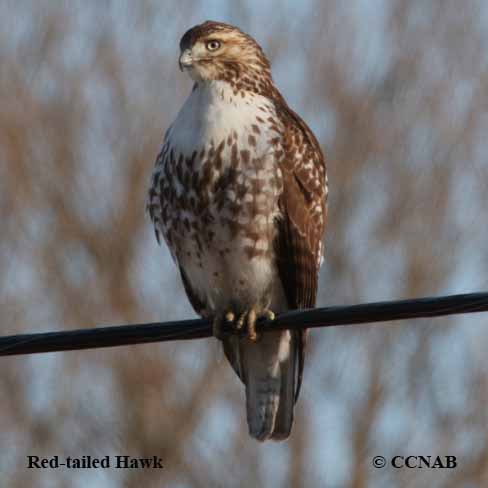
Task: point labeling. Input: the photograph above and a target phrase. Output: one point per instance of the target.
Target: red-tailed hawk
(239, 194)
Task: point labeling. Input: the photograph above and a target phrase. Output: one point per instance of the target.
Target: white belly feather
(235, 267)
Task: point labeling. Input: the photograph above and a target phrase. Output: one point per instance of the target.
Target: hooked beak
(186, 59)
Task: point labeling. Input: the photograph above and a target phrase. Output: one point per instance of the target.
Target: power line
(198, 329)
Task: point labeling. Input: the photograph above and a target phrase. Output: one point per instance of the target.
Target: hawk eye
(213, 45)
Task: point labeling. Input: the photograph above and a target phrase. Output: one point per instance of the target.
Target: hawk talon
(249, 318)
(219, 321)
(268, 314)
(240, 322)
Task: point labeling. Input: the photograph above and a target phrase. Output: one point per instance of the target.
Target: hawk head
(218, 51)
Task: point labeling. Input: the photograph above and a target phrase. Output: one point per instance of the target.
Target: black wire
(199, 329)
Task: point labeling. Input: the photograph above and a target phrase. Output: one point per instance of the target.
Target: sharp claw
(219, 321)
(269, 314)
(266, 313)
(245, 320)
(240, 321)
(251, 325)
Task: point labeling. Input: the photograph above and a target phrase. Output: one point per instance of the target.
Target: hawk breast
(215, 194)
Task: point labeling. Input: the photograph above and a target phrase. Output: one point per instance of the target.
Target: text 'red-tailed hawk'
(239, 194)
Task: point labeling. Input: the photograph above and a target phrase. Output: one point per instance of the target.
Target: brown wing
(303, 217)
(196, 302)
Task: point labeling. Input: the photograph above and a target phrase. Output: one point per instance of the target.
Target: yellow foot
(248, 319)
(220, 321)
